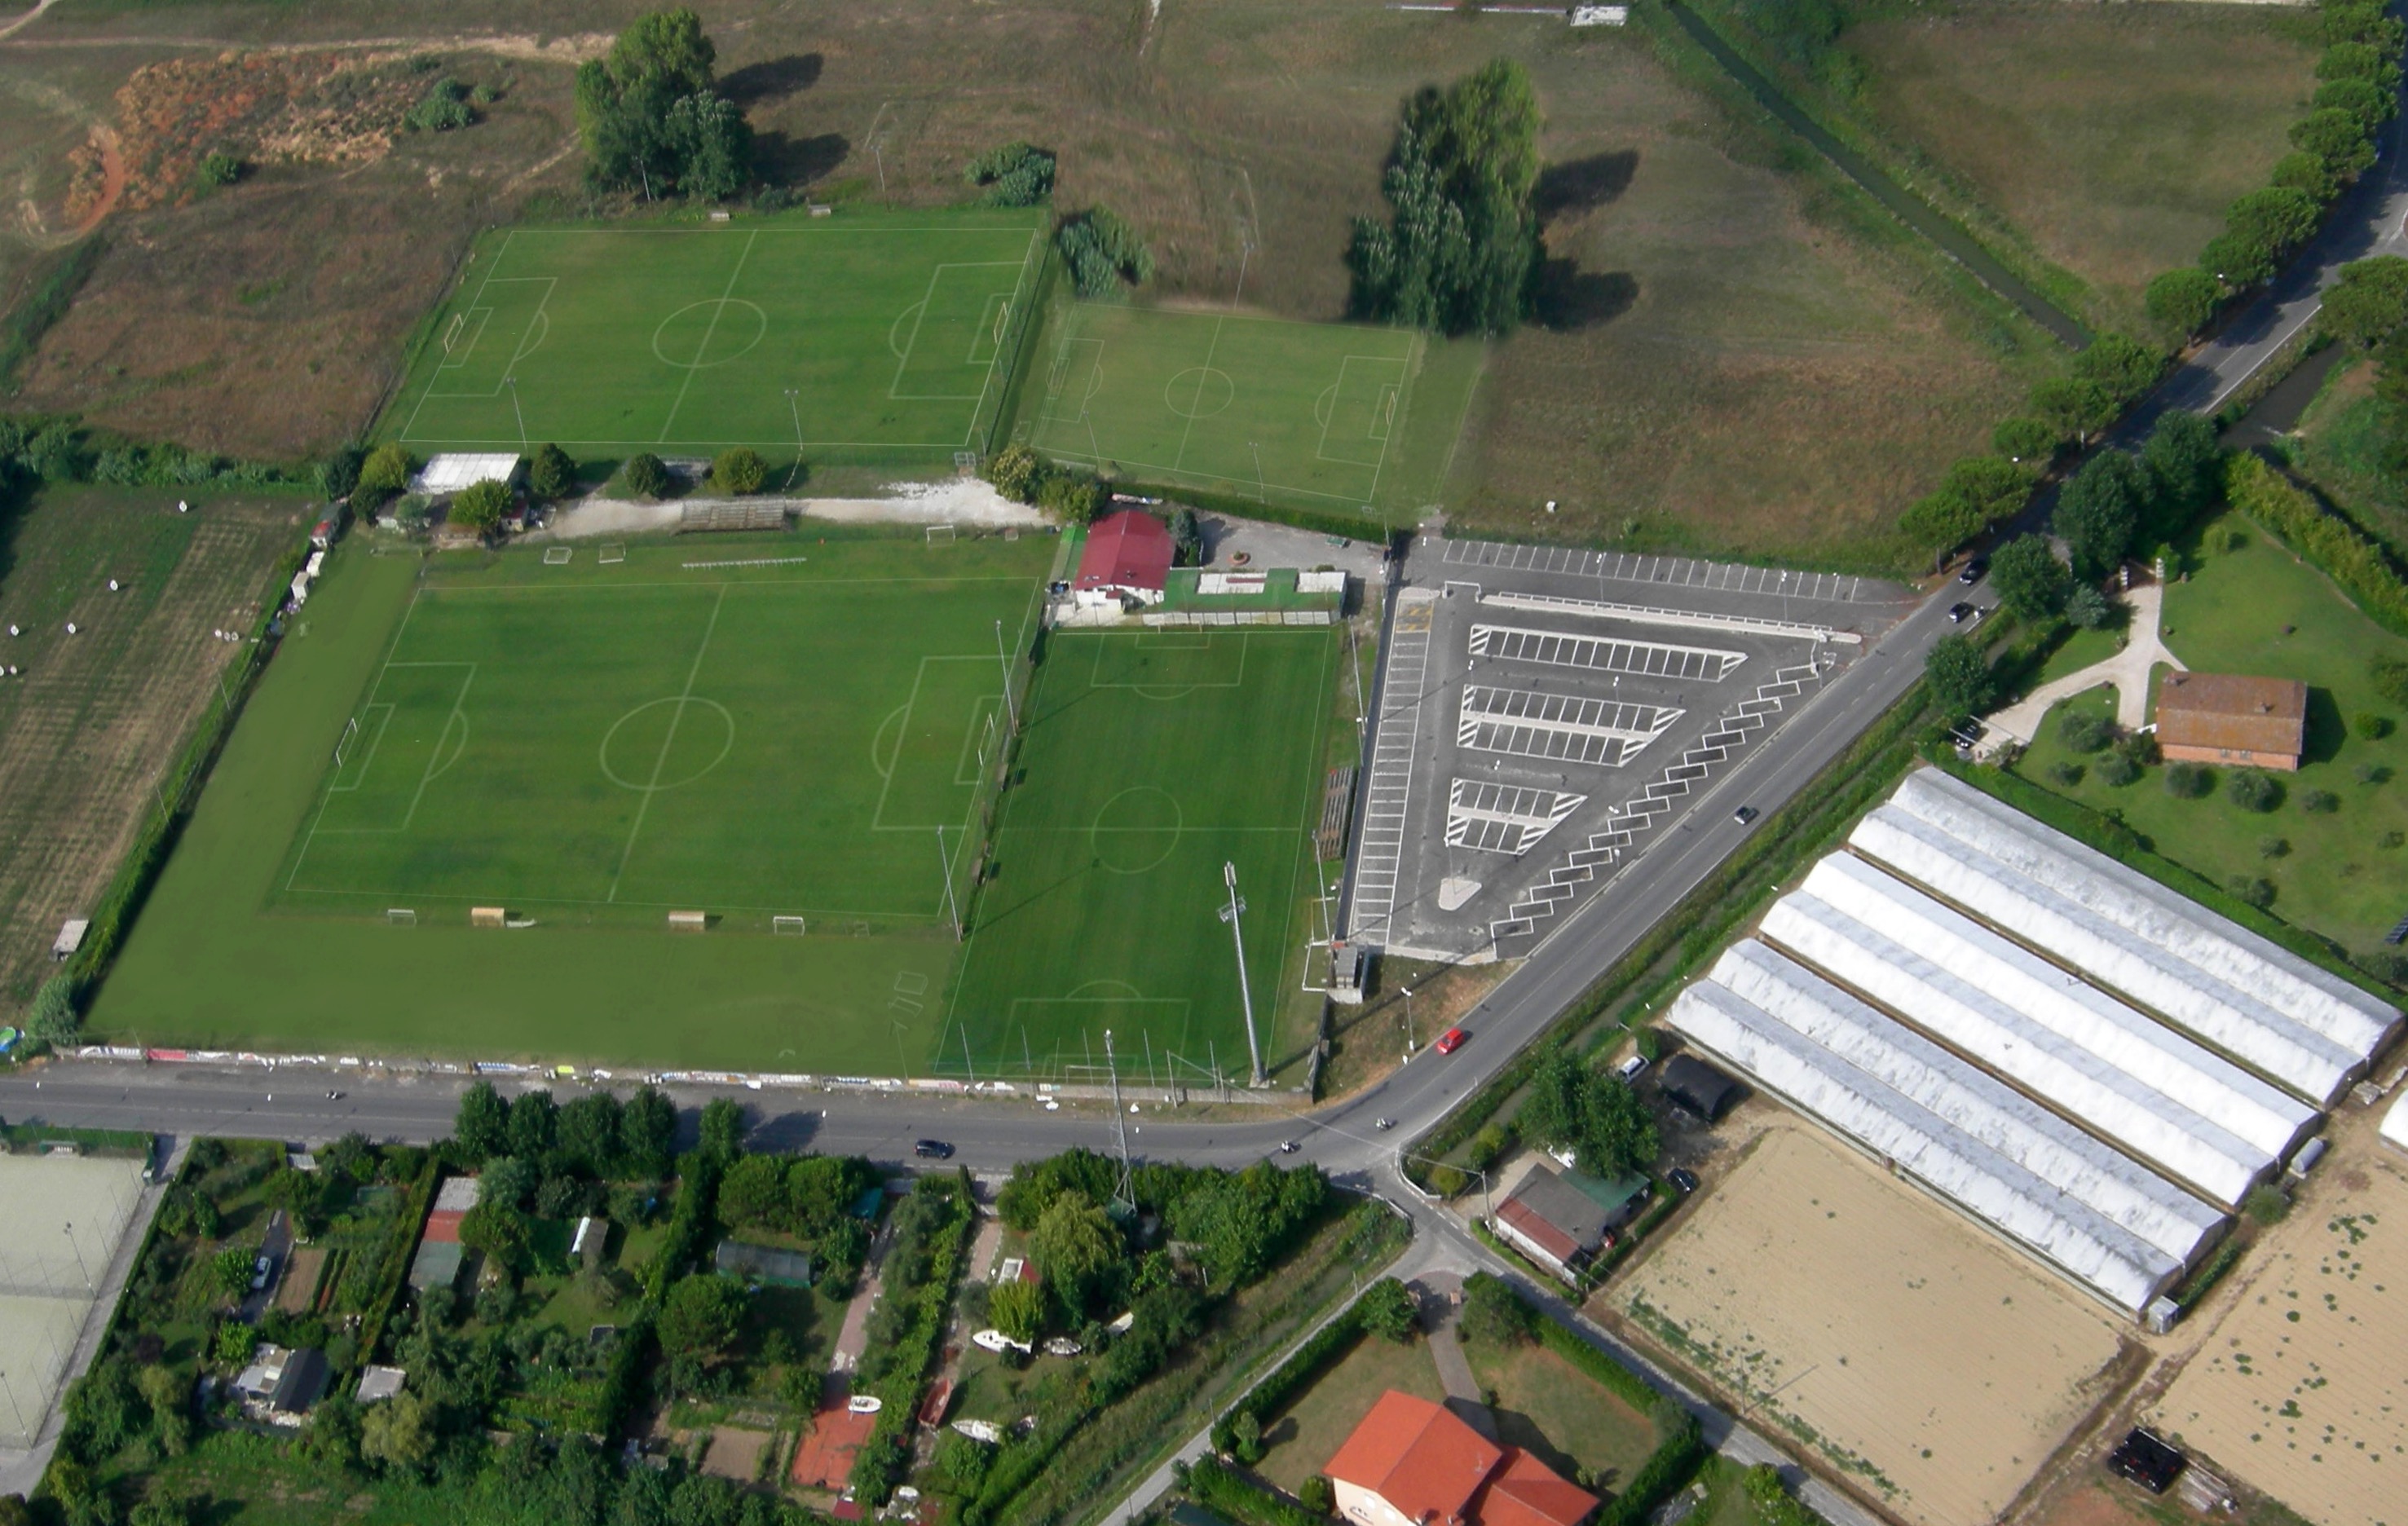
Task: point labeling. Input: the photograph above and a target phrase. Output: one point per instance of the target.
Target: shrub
(385, 472)
(2138, 748)
(738, 471)
(1015, 174)
(2086, 730)
(1318, 1495)
(551, 475)
(1015, 470)
(220, 169)
(1387, 1308)
(54, 1021)
(2388, 965)
(2266, 1205)
(2390, 678)
(2361, 565)
(2320, 802)
(645, 475)
(1072, 497)
(480, 506)
(1103, 252)
(2271, 846)
(2189, 781)
(2066, 774)
(2253, 790)
(2251, 892)
(443, 108)
(2391, 842)
(2027, 438)
(1493, 1311)
(2116, 770)
(2370, 725)
(2088, 608)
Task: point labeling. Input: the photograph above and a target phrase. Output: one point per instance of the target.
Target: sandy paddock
(1936, 1367)
(2302, 1389)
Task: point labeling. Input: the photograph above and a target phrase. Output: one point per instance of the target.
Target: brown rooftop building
(2254, 723)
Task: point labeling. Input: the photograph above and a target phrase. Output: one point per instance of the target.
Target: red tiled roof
(1527, 1492)
(1127, 550)
(2230, 712)
(444, 1229)
(1417, 1456)
(1532, 1226)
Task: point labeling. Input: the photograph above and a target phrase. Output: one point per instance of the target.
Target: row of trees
(1460, 251)
(2358, 92)
(652, 120)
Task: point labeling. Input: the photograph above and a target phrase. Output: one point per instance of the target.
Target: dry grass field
(2110, 137)
(1913, 1351)
(2300, 1390)
(97, 717)
(1730, 360)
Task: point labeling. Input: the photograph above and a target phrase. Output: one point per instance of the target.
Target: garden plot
(1929, 1363)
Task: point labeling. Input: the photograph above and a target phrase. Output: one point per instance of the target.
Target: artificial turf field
(865, 330)
(1152, 759)
(1229, 402)
(514, 747)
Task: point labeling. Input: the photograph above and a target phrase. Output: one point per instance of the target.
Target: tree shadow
(1515, 1428)
(772, 78)
(1580, 185)
(785, 160)
(1568, 298)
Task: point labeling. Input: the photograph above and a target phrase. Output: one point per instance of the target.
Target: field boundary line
(701, 349)
(660, 761)
(367, 695)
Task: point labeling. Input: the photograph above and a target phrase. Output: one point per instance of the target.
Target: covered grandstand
(2005, 1018)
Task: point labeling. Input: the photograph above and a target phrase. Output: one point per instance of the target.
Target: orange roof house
(1415, 1464)
(2257, 723)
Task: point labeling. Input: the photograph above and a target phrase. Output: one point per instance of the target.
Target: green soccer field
(1152, 759)
(676, 730)
(866, 331)
(1231, 403)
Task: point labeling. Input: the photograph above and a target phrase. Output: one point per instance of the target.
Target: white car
(1631, 1069)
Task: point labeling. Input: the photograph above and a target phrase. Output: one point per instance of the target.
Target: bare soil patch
(96, 718)
(294, 1294)
(735, 1453)
(1916, 1354)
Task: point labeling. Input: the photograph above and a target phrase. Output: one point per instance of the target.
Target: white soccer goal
(612, 555)
(557, 556)
(940, 535)
(786, 926)
(351, 729)
(964, 463)
(401, 917)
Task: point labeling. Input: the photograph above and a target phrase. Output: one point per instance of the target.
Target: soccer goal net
(343, 744)
(557, 556)
(966, 463)
(612, 556)
(940, 535)
(786, 926)
(401, 917)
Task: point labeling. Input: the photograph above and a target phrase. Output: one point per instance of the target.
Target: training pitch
(1152, 759)
(1258, 408)
(870, 331)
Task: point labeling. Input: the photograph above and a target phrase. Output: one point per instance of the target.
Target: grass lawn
(865, 332)
(2255, 609)
(1239, 403)
(1560, 1415)
(2081, 650)
(2340, 447)
(1307, 1434)
(2110, 138)
(842, 698)
(1152, 759)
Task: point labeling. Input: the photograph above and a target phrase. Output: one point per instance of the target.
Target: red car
(1450, 1040)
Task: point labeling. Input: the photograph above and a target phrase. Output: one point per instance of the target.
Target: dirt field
(300, 1281)
(2111, 138)
(95, 718)
(2299, 1390)
(1917, 1353)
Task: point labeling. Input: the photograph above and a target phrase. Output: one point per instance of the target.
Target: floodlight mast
(1230, 913)
(1121, 1190)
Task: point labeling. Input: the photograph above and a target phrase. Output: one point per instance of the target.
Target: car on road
(1631, 1069)
(258, 1274)
(1684, 1180)
(1450, 1040)
(1974, 570)
(1744, 815)
(1959, 614)
(933, 1149)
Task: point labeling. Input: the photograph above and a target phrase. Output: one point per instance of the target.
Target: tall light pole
(69, 1233)
(1230, 913)
(1409, 1020)
(945, 869)
(1011, 707)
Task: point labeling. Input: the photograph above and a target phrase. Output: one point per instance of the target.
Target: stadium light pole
(1011, 706)
(1230, 914)
(69, 1233)
(945, 872)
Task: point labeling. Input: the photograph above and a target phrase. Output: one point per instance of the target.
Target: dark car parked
(933, 1149)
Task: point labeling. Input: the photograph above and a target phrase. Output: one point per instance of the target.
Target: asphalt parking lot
(1543, 709)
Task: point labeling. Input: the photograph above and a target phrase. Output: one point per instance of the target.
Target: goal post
(786, 926)
(400, 917)
(557, 556)
(343, 743)
(940, 535)
(612, 556)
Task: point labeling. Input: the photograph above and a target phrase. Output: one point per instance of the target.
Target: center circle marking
(1136, 830)
(1199, 391)
(692, 710)
(739, 326)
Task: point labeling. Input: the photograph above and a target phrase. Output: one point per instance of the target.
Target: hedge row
(1626, 1386)
(875, 1466)
(1680, 1452)
(2359, 564)
(47, 304)
(1217, 1486)
(392, 1272)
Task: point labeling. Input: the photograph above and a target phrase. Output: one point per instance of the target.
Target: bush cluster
(1015, 174)
(1104, 253)
(443, 108)
(1072, 494)
(59, 450)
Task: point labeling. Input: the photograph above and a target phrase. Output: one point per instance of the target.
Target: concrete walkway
(2127, 671)
(1440, 1295)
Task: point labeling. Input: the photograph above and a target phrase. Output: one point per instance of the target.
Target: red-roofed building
(1415, 1464)
(1127, 557)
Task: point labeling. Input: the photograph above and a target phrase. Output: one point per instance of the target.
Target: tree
(1102, 251)
(2371, 108)
(645, 475)
(2369, 303)
(738, 471)
(498, 1227)
(821, 1191)
(2098, 512)
(338, 473)
(1994, 486)
(700, 1316)
(1388, 1308)
(2337, 139)
(2073, 405)
(1015, 470)
(2123, 368)
(1572, 1105)
(2030, 581)
(2353, 60)
(384, 473)
(711, 145)
(1459, 250)
(483, 1124)
(589, 1132)
(1074, 1244)
(54, 1020)
(1015, 174)
(2269, 223)
(1017, 1309)
(398, 1435)
(1493, 1311)
(722, 1128)
(551, 475)
(651, 118)
(2088, 608)
(2183, 300)
(753, 1193)
(648, 1132)
(164, 1391)
(2235, 262)
(2026, 440)
(535, 1124)
(2305, 172)
(1959, 675)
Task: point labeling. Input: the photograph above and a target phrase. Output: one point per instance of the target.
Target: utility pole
(945, 869)
(1011, 707)
(1120, 1125)
(1230, 914)
(70, 1232)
